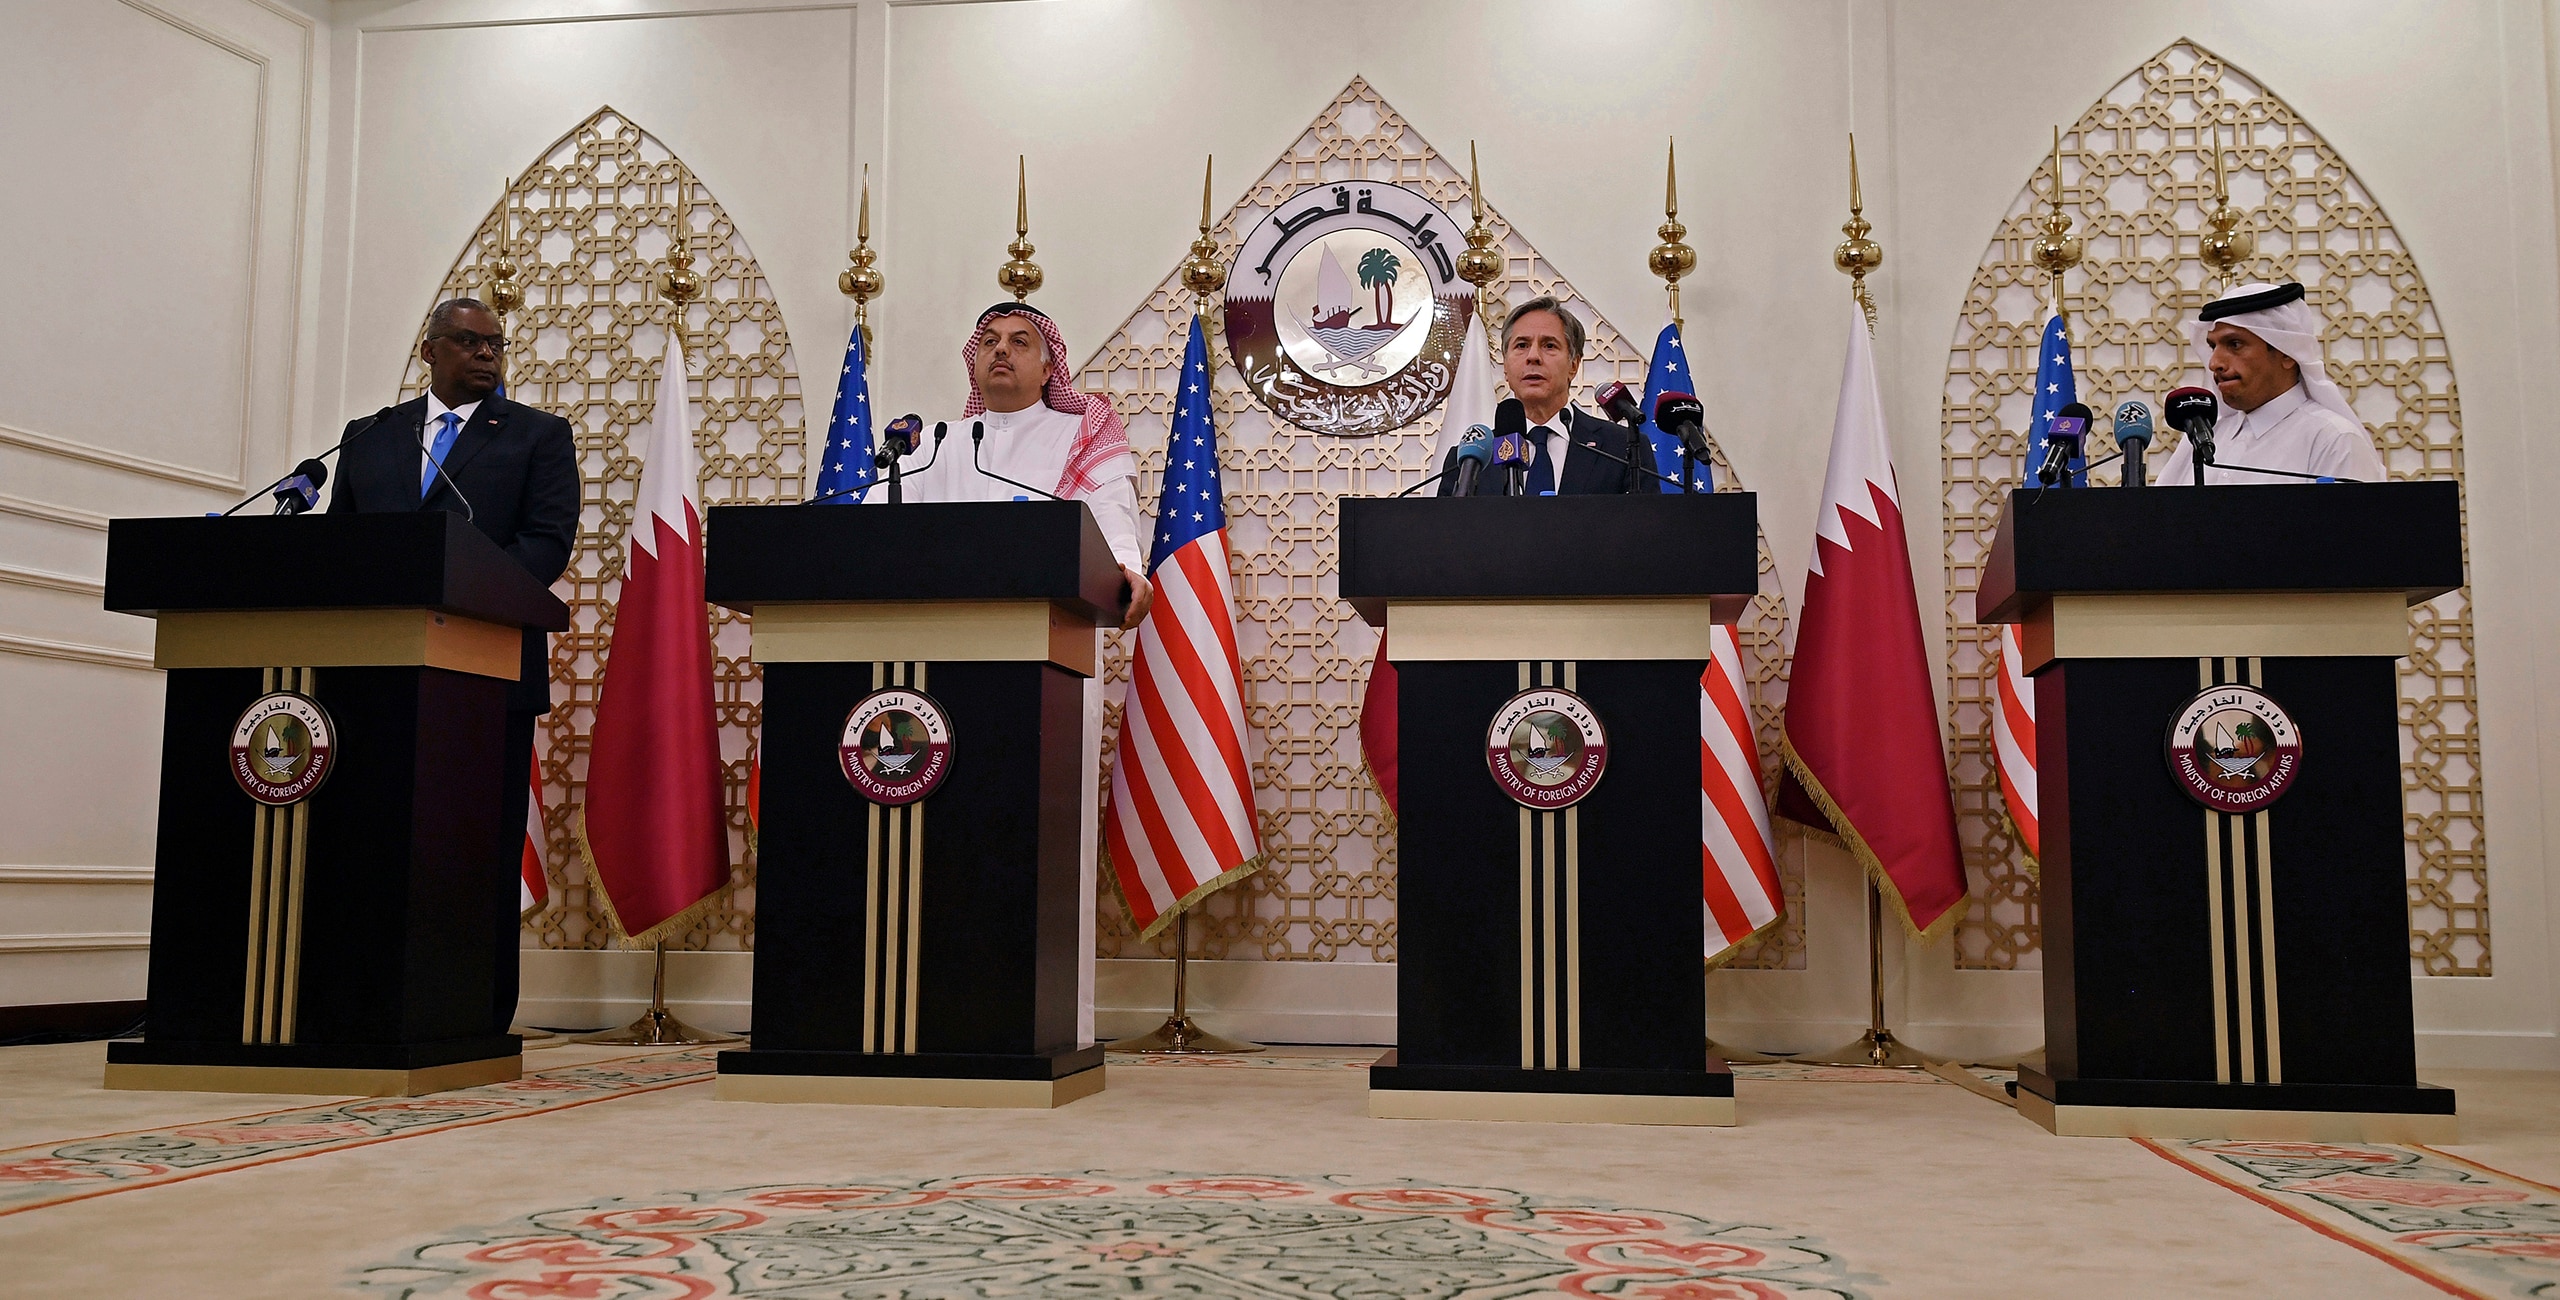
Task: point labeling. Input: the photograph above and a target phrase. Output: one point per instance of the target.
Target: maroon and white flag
(1862, 739)
(655, 827)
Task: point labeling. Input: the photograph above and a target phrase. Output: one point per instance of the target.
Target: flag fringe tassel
(673, 925)
(1851, 840)
(1180, 905)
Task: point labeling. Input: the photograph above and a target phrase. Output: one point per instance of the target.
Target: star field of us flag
(846, 466)
(1669, 373)
(2056, 388)
(1181, 821)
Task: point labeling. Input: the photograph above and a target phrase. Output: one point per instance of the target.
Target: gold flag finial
(862, 282)
(1021, 276)
(2056, 249)
(678, 283)
(2224, 245)
(1858, 256)
(1672, 258)
(499, 286)
(1201, 272)
(1481, 264)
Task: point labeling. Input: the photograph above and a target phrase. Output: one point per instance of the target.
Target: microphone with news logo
(2062, 442)
(2133, 433)
(1511, 446)
(2192, 412)
(1684, 417)
(1621, 405)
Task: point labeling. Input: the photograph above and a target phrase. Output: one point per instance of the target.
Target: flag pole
(2054, 251)
(1856, 257)
(679, 285)
(1178, 1036)
(2224, 244)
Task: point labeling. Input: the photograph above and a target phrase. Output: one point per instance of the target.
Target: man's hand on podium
(1142, 594)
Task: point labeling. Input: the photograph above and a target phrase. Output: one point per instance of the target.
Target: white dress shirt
(427, 432)
(2289, 432)
(1031, 446)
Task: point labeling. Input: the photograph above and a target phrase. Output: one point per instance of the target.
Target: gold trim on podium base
(312, 1080)
(935, 631)
(875, 1090)
(2172, 625)
(1552, 630)
(1551, 1107)
(2238, 1125)
(334, 638)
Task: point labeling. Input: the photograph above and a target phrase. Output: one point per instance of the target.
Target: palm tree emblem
(1378, 270)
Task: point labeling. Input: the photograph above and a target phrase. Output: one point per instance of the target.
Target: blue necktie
(1542, 468)
(447, 425)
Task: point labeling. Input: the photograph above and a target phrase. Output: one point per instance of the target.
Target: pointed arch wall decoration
(2137, 178)
(589, 225)
(1329, 890)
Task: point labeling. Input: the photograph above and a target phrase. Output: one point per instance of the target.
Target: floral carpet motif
(2466, 1228)
(1263, 1237)
(53, 1173)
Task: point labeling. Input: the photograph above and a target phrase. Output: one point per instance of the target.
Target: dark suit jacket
(1586, 474)
(518, 468)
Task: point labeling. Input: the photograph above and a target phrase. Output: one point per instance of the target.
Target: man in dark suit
(513, 471)
(1541, 352)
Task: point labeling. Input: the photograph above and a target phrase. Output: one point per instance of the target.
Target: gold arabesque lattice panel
(2137, 177)
(589, 226)
(1328, 891)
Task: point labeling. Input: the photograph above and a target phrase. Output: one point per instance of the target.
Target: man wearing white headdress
(2261, 344)
(1040, 432)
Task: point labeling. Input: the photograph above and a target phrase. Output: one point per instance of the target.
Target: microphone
(1449, 462)
(2192, 411)
(2062, 435)
(977, 440)
(1685, 418)
(1510, 447)
(1472, 455)
(2133, 433)
(939, 429)
(302, 491)
(349, 436)
(1621, 405)
(896, 442)
(1657, 476)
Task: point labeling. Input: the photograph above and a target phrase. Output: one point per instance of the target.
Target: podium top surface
(429, 559)
(2396, 537)
(945, 550)
(1492, 549)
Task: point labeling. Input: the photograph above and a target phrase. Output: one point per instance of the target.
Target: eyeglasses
(469, 342)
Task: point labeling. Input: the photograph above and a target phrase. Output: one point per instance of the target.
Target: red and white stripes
(1742, 892)
(1182, 813)
(533, 888)
(2013, 738)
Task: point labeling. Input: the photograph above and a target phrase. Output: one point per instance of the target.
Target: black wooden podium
(1551, 963)
(921, 953)
(337, 943)
(2237, 969)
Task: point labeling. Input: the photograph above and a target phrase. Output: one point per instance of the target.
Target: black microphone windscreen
(314, 470)
(2080, 409)
(1621, 403)
(1510, 417)
(2187, 408)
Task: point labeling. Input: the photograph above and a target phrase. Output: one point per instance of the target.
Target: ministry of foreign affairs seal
(282, 748)
(1546, 748)
(896, 746)
(2233, 749)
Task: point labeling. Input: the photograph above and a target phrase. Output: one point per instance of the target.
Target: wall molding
(29, 873)
(76, 652)
(127, 462)
(103, 941)
(52, 514)
(47, 580)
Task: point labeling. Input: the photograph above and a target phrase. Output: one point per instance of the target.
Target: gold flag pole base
(657, 1026)
(1877, 1048)
(1177, 1036)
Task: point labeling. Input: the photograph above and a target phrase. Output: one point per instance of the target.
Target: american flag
(1742, 891)
(2013, 708)
(845, 467)
(1181, 821)
(533, 885)
(1670, 373)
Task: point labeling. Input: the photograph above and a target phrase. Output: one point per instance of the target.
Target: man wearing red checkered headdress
(1039, 432)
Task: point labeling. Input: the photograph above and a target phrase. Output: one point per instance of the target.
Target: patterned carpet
(1844, 1191)
(1252, 1237)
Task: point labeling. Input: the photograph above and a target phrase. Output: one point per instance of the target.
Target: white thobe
(2289, 432)
(1031, 446)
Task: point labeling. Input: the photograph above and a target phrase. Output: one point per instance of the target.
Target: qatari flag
(1864, 759)
(654, 825)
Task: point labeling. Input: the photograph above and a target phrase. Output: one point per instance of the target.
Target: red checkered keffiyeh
(1102, 437)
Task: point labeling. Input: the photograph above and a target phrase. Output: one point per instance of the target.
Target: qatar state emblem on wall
(896, 746)
(1546, 748)
(2233, 749)
(1345, 312)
